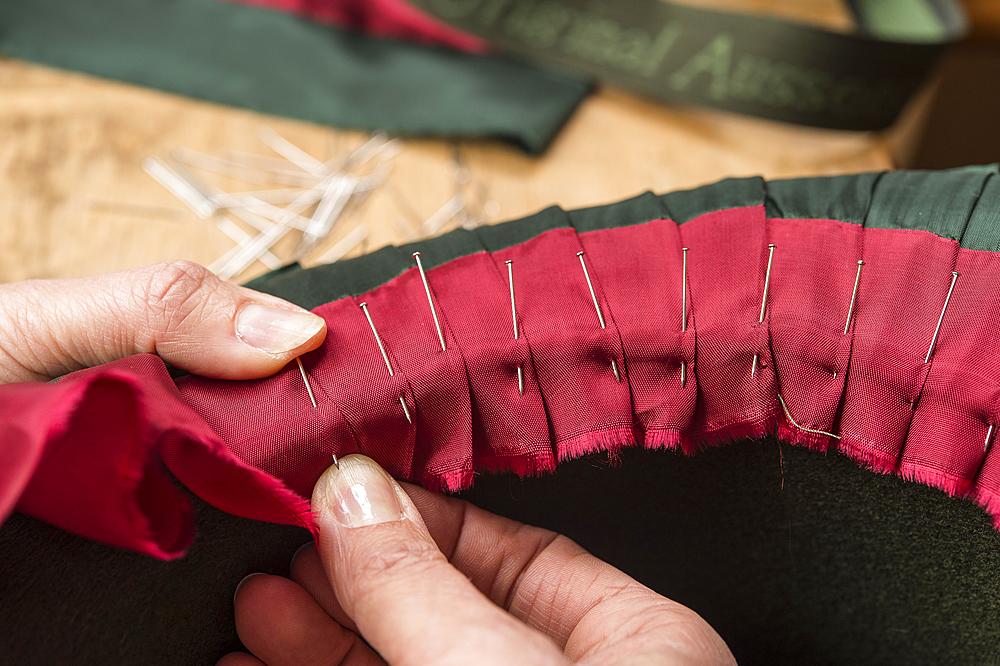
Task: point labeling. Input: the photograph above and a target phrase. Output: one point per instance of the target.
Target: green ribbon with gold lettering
(755, 65)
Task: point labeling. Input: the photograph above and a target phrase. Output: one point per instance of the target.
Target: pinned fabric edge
(89, 452)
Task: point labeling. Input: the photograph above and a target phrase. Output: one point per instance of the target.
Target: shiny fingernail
(275, 330)
(356, 494)
(239, 585)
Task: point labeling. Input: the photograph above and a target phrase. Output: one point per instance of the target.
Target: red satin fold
(89, 453)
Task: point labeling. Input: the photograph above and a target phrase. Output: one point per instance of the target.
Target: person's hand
(412, 578)
(179, 310)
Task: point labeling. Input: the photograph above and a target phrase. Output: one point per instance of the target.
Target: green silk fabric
(274, 62)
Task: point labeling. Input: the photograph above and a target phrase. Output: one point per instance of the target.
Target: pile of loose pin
(312, 200)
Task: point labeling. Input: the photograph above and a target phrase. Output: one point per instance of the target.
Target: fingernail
(300, 550)
(275, 330)
(236, 592)
(356, 494)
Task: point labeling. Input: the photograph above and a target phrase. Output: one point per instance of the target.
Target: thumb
(407, 601)
(179, 310)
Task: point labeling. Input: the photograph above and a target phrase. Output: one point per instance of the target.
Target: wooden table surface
(74, 199)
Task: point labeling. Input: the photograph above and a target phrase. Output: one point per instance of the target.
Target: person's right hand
(411, 578)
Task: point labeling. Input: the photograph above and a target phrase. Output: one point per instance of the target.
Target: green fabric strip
(937, 201)
(313, 287)
(447, 247)
(642, 208)
(757, 65)
(274, 62)
(686, 205)
(983, 230)
(961, 204)
(499, 236)
(844, 198)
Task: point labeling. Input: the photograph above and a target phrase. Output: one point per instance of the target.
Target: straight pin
(513, 315)
(989, 436)
(597, 307)
(767, 283)
(513, 303)
(854, 296)
(684, 292)
(312, 398)
(937, 329)
(763, 301)
(430, 301)
(684, 312)
(385, 357)
(378, 338)
(590, 285)
(305, 380)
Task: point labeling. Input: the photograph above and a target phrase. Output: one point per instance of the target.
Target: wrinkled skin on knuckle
(399, 558)
(175, 292)
(389, 566)
(636, 621)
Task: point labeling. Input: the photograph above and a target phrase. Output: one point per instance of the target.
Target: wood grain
(75, 201)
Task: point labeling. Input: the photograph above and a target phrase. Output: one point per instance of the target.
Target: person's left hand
(179, 310)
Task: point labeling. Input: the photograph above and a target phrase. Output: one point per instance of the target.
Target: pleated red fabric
(588, 408)
(727, 263)
(764, 351)
(510, 428)
(648, 258)
(811, 291)
(960, 397)
(902, 291)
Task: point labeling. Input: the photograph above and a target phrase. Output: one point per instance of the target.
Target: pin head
(580, 253)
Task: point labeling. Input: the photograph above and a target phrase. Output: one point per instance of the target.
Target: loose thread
(791, 420)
